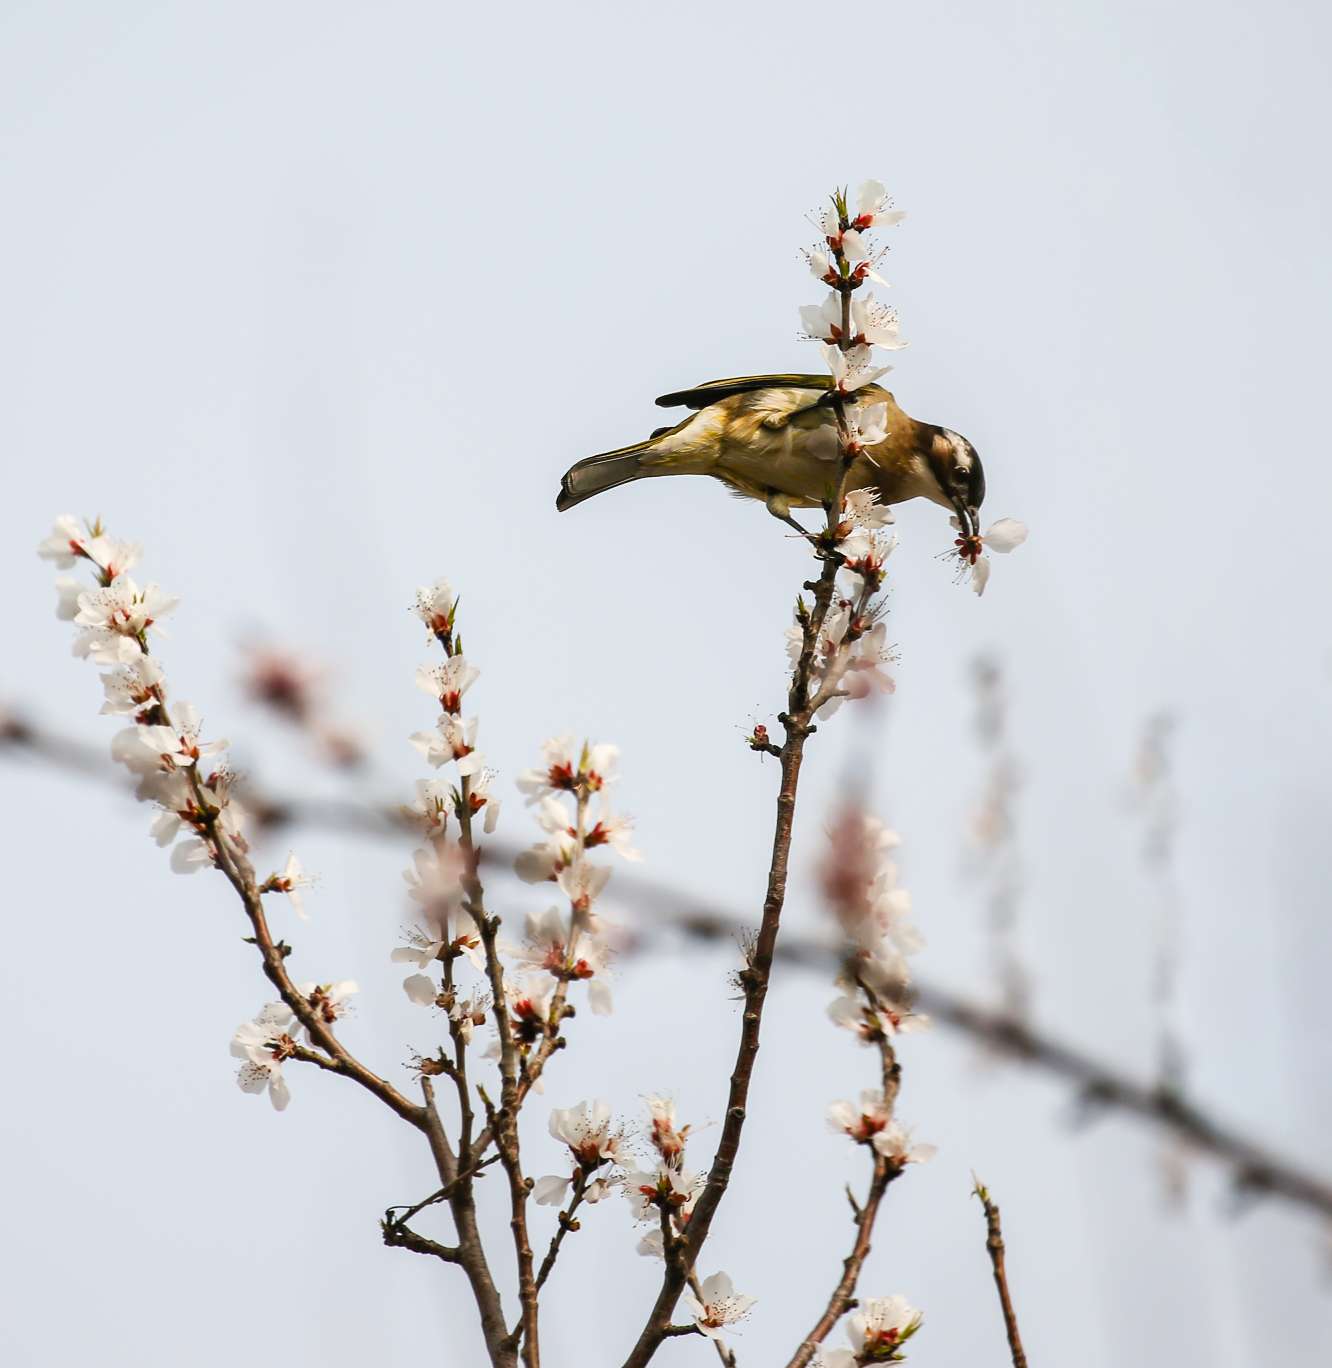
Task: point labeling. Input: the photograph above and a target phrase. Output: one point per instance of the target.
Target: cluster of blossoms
(561, 946)
(664, 1193)
(862, 889)
(851, 654)
(176, 769)
(569, 790)
(265, 1042)
(595, 1144)
(848, 324)
(444, 930)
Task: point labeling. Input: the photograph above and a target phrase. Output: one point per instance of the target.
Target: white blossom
(880, 1326)
(820, 267)
(430, 809)
(178, 746)
(479, 797)
(615, 831)
(883, 1019)
(587, 1130)
(529, 1000)
(451, 739)
(544, 861)
(718, 1306)
(115, 614)
(667, 1135)
(1003, 536)
(894, 1143)
(65, 544)
(133, 686)
(565, 769)
(874, 207)
(448, 681)
(823, 322)
(581, 882)
(874, 323)
(329, 1001)
(863, 507)
(436, 605)
(69, 543)
(862, 1120)
(668, 1186)
(470, 1012)
(262, 1045)
(291, 881)
(852, 370)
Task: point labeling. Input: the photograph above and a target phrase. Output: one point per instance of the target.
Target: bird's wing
(703, 395)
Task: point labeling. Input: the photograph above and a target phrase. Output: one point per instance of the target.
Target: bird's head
(957, 470)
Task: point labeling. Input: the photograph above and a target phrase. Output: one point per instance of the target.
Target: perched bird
(774, 437)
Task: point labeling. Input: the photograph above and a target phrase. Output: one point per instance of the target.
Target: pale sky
(318, 301)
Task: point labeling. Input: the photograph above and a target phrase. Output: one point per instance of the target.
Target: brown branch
(754, 978)
(505, 1130)
(471, 1252)
(1101, 1087)
(995, 1244)
(755, 982)
(230, 859)
(503, 1122)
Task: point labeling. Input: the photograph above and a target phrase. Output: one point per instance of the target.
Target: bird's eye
(961, 474)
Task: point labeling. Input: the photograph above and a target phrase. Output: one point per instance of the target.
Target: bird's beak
(967, 517)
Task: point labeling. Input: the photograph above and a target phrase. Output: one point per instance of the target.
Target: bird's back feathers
(713, 390)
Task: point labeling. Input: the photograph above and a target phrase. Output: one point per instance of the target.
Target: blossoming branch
(498, 1004)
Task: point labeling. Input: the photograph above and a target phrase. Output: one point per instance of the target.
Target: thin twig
(843, 1295)
(503, 1122)
(567, 1223)
(994, 1242)
(400, 1235)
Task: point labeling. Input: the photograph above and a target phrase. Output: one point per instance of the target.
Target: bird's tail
(598, 473)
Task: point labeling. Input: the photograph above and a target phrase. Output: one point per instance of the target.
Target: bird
(774, 438)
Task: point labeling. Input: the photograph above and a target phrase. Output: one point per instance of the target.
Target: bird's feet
(780, 508)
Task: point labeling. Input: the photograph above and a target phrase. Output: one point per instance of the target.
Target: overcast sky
(319, 299)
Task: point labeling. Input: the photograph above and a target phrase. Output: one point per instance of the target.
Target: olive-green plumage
(774, 438)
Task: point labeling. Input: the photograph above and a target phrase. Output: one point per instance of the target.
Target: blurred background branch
(1099, 1088)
